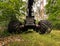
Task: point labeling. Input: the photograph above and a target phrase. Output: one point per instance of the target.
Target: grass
(36, 39)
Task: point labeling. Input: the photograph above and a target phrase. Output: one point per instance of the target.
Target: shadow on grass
(5, 33)
(28, 32)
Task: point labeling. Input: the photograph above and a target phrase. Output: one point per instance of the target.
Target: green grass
(36, 39)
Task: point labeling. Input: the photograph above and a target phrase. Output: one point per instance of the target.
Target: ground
(32, 39)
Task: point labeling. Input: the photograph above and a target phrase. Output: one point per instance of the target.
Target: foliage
(10, 8)
(53, 10)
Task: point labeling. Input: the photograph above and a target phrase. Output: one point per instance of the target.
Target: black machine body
(43, 26)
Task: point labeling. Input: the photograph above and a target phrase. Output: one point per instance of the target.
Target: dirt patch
(6, 40)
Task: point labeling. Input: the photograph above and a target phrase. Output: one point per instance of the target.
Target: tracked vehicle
(43, 26)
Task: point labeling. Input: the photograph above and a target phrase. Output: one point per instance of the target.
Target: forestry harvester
(43, 26)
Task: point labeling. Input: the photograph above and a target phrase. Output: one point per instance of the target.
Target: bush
(55, 21)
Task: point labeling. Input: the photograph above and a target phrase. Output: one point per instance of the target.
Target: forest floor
(32, 39)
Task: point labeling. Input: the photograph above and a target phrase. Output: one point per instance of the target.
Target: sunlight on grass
(36, 39)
